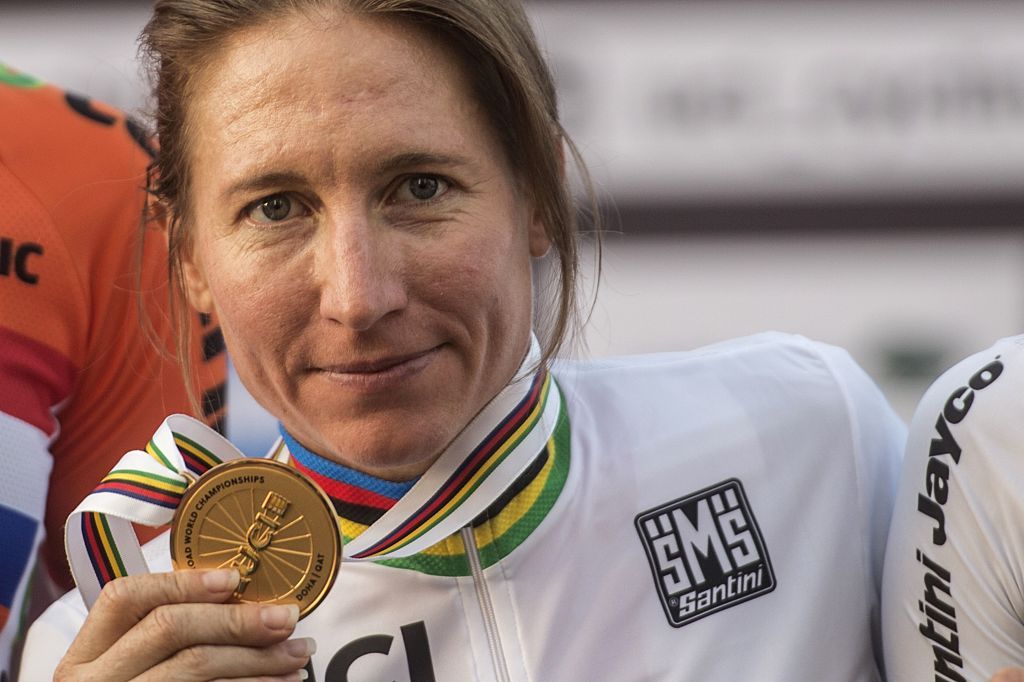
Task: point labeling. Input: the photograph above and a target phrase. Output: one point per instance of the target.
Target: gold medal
(267, 520)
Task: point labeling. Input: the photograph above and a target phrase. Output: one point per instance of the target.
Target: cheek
(251, 314)
(486, 281)
(248, 287)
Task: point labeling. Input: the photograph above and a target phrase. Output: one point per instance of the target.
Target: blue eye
(421, 188)
(274, 209)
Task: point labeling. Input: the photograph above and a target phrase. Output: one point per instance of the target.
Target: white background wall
(894, 297)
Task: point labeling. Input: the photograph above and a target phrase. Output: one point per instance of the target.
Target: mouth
(377, 372)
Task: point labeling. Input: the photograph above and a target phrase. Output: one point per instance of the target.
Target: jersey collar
(493, 455)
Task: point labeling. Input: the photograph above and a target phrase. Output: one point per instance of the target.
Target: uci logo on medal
(706, 552)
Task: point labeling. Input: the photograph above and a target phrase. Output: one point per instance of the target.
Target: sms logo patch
(706, 552)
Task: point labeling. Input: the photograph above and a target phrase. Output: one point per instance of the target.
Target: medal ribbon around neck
(483, 460)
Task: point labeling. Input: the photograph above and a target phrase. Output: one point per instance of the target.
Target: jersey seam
(857, 442)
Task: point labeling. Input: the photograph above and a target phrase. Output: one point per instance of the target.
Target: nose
(360, 274)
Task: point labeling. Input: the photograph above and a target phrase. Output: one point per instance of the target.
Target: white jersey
(954, 574)
(720, 515)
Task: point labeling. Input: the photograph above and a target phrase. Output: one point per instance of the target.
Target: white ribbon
(120, 510)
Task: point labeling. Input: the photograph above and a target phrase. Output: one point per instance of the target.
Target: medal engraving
(268, 521)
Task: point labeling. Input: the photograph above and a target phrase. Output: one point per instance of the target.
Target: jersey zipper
(483, 595)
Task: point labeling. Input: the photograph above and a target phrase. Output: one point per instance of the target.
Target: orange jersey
(81, 381)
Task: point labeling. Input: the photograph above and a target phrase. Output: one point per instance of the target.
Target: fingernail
(279, 617)
(303, 675)
(220, 580)
(302, 647)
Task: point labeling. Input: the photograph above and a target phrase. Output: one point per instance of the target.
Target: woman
(954, 588)
(358, 189)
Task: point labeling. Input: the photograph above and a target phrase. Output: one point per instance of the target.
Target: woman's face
(359, 233)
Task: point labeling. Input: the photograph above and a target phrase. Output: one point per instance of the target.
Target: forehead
(355, 81)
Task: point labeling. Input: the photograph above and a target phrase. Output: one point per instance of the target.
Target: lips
(377, 365)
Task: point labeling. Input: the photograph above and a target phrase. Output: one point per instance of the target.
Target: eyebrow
(263, 181)
(399, 161)
(385, 166)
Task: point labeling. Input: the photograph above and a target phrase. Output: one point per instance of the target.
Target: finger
(170, 630)
(1009, 675)
(232, 662)
(124, 602)
(294, 677)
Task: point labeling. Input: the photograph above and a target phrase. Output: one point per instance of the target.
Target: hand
(1009, 675)
(175, 626)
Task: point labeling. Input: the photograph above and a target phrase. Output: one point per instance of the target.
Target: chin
(379, 446)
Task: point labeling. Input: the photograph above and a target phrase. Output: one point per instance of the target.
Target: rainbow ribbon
(145, 487)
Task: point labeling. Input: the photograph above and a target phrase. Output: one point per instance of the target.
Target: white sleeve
(952, 598)
(25, 465)
(50, 636)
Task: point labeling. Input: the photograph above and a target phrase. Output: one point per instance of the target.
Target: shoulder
(958, 509)
(759, 398)
(73, 174)
(778, 348)
(995, 373)
(767, 343)
(976, 404)
(56, 142)
(801, 369)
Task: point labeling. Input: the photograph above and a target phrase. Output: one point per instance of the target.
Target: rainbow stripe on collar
(480, 464)
(509, 520)
(357, 497)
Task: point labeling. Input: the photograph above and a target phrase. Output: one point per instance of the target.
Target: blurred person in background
(954, 570)
(80, 379)
(360, 191)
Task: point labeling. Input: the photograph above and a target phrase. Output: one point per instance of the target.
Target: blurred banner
(720, 101)
(716, 101)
